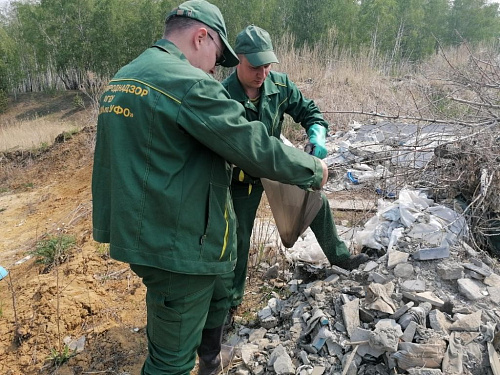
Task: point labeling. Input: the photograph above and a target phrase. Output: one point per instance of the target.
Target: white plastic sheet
(415, 216)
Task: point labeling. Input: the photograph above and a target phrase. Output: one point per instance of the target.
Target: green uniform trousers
(179, 307)
(245, 203)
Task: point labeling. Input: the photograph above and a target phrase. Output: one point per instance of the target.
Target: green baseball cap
(255, 43)
(210, 15)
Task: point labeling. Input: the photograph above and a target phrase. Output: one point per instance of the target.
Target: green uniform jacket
(279, 95)
(167, 133)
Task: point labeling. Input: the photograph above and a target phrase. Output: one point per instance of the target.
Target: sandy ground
(89, 297)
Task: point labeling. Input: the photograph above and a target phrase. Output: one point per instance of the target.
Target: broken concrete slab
(411, 355)
(378, 278)
(350, 313)
(424, 297)
(492, 280)
(404, 270)
(450, 271)
(257, 334)
(402, 310)
(432, 253)
(414, 285)
(281, 361)
(467, 322)
(247, 354)
(395, 257)
(386, 335)
(494, 293)
(370, 266)
(485, 272)
(318, 370)
(409, 332)
(439, 322)
(471, 289)
(363, 335)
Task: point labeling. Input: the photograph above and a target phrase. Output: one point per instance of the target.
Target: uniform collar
(169, 47)
(269, 87)
(237, 92)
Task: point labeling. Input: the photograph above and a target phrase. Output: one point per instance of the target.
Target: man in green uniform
(267, 96)
(167, 135)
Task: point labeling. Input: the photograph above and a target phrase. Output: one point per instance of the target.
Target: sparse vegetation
(103, 250)
(44, 146)
(59, 357)
(53, 250)
(78, 102)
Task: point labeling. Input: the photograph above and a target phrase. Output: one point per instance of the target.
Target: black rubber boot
(209, 351)
(229, 323)
(354, 261)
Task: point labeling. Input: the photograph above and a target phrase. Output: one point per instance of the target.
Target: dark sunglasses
(221, 58)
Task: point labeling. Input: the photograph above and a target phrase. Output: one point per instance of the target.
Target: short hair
(176, 24)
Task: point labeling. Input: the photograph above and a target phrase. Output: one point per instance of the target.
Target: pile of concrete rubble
(425, 304)
(401, 313)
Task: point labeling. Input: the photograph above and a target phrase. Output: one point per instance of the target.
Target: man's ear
(199, 37)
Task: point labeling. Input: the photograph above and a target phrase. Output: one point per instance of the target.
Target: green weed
(58, 357)
(53, 250)
(78, 102)
(44, 146)
(103, 250)
(66, 135)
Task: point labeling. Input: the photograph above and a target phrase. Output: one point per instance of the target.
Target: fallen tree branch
(400, 117)
(476, 104)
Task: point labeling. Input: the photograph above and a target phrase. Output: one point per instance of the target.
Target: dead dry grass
(34, 120)
(31, 134)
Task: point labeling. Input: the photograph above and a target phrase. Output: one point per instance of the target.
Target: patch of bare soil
(88, 296)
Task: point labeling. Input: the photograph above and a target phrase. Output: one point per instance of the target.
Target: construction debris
(426, 303)
(415, 310)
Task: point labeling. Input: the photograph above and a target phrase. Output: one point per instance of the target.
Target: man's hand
(325, 173)
(317, 137)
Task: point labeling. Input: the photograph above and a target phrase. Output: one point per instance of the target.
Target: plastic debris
(3, 272)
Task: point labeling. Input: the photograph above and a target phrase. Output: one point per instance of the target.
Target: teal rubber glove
(317, 137)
